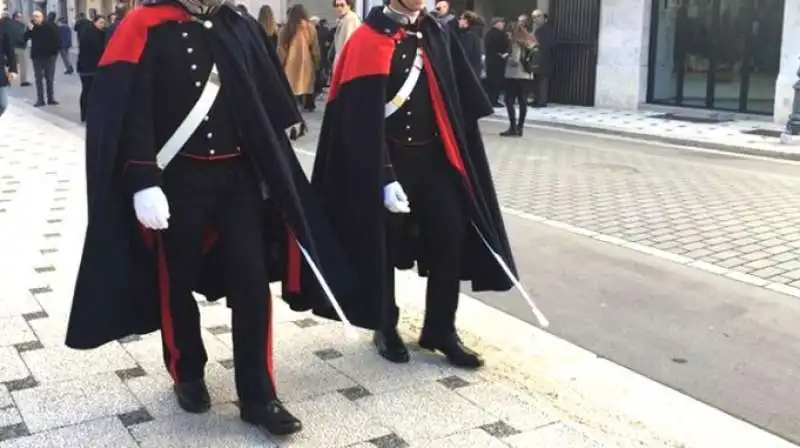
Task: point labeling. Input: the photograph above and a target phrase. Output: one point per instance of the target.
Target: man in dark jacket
(45, 44)
(15, 29)
(193, 186)
(81, 22)
(497, 45)
(8, 67)
(403, 173)
(545, 37)
(118, 15)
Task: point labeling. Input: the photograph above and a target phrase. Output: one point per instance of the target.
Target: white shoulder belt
(408, 86)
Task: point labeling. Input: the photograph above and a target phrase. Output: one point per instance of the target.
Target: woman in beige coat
(298, 49)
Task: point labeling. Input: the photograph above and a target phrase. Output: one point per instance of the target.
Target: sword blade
(349, 329)
(540, 317)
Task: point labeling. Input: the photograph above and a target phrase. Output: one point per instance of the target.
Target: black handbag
(531, 59)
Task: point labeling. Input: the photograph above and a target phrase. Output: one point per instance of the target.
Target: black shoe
(454, 350)
(510, 132)
(25, 84)
(303, 129)
(52, 103)
(293, 134)
(391, 346)
(520, 128)
(69, 72)
(193, 396)
(539, 105)
(271, 417)
(39, 104)
(497, 105)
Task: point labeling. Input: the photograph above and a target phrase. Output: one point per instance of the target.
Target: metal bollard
(793, 125)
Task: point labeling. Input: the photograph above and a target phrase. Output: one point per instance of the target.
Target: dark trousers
(86, 89)
(222, 194)
(307, 102)
(434, 191)
(517, 91)
(44, 72)
(494, 83)
(541, 88)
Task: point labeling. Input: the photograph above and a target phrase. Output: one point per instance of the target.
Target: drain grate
(691, 119)
(764, 132)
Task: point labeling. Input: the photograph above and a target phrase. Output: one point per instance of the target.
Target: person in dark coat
(91, 45)
(404, 176)
(470, 26)
(81, 23)
(496, 45)
(65, 35)
(8, 67)
(193, 186)
(45, 45)
(545, 37)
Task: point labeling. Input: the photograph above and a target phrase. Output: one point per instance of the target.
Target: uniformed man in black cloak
(193, 186)
(402, 172)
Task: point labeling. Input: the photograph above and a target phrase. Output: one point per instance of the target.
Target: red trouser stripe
(268, 345)
(293, 262)
(167, 331)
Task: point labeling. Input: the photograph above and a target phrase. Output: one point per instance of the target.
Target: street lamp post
(793, 125)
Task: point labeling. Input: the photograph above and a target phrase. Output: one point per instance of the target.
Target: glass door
(716, 54)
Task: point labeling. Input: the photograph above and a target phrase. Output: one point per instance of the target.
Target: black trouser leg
(391, 313)
(509, 98)
(442, 222)
(239, 222)
(191, 188)
(49, 77)
(433, 188)
(542, 89)
(86, 88)
(38, 78)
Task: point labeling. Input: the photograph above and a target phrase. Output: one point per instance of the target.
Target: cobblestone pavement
(694, 206)
(119, 395)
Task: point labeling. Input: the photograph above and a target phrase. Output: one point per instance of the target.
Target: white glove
(395, 199)
(152, 208)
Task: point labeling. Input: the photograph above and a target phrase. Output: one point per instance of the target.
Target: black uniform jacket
(348, 171)
(119, 280)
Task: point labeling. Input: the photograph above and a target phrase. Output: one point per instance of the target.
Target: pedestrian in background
(267, 20)
(45, 45)
(518, 79)
(496, 45)
(470, 28)
(8, 66)
(65, 35)
(299, 52)
(91, 45)
(15, 32)
(347, 22)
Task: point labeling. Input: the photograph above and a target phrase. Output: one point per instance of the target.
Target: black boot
(512, 131)
(453, 349)
(193, 396)
(391, 346)
(520, 128)
(271, 417)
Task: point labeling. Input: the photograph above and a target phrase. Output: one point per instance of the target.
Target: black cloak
(349, 164)
(122, 267)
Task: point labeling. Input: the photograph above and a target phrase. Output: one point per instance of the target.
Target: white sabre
(192, 121)
(408, 86)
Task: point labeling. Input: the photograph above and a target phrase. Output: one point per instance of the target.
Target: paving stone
(105, 432)
(377, 376)
(220, 427)
(555, 435)
(388, 441)
(322, 419)
(11, 365)
(472, 438)
(15, 330)
(61, 363)
(519, 410)
(54, 405)
(446, 412)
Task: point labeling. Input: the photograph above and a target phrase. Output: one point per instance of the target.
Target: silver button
(205, 118)
(409, 138)
(184, 35)
(239, 149)
(387, 31)
(408, 113)
(190, 50)
(406, 70)
(404, 56)
(194, 67)
(197, 83)
(211, 152)
(208, 24)
(209, 135)
(408, 127)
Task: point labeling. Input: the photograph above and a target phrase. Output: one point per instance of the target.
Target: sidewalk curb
(680, 141)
